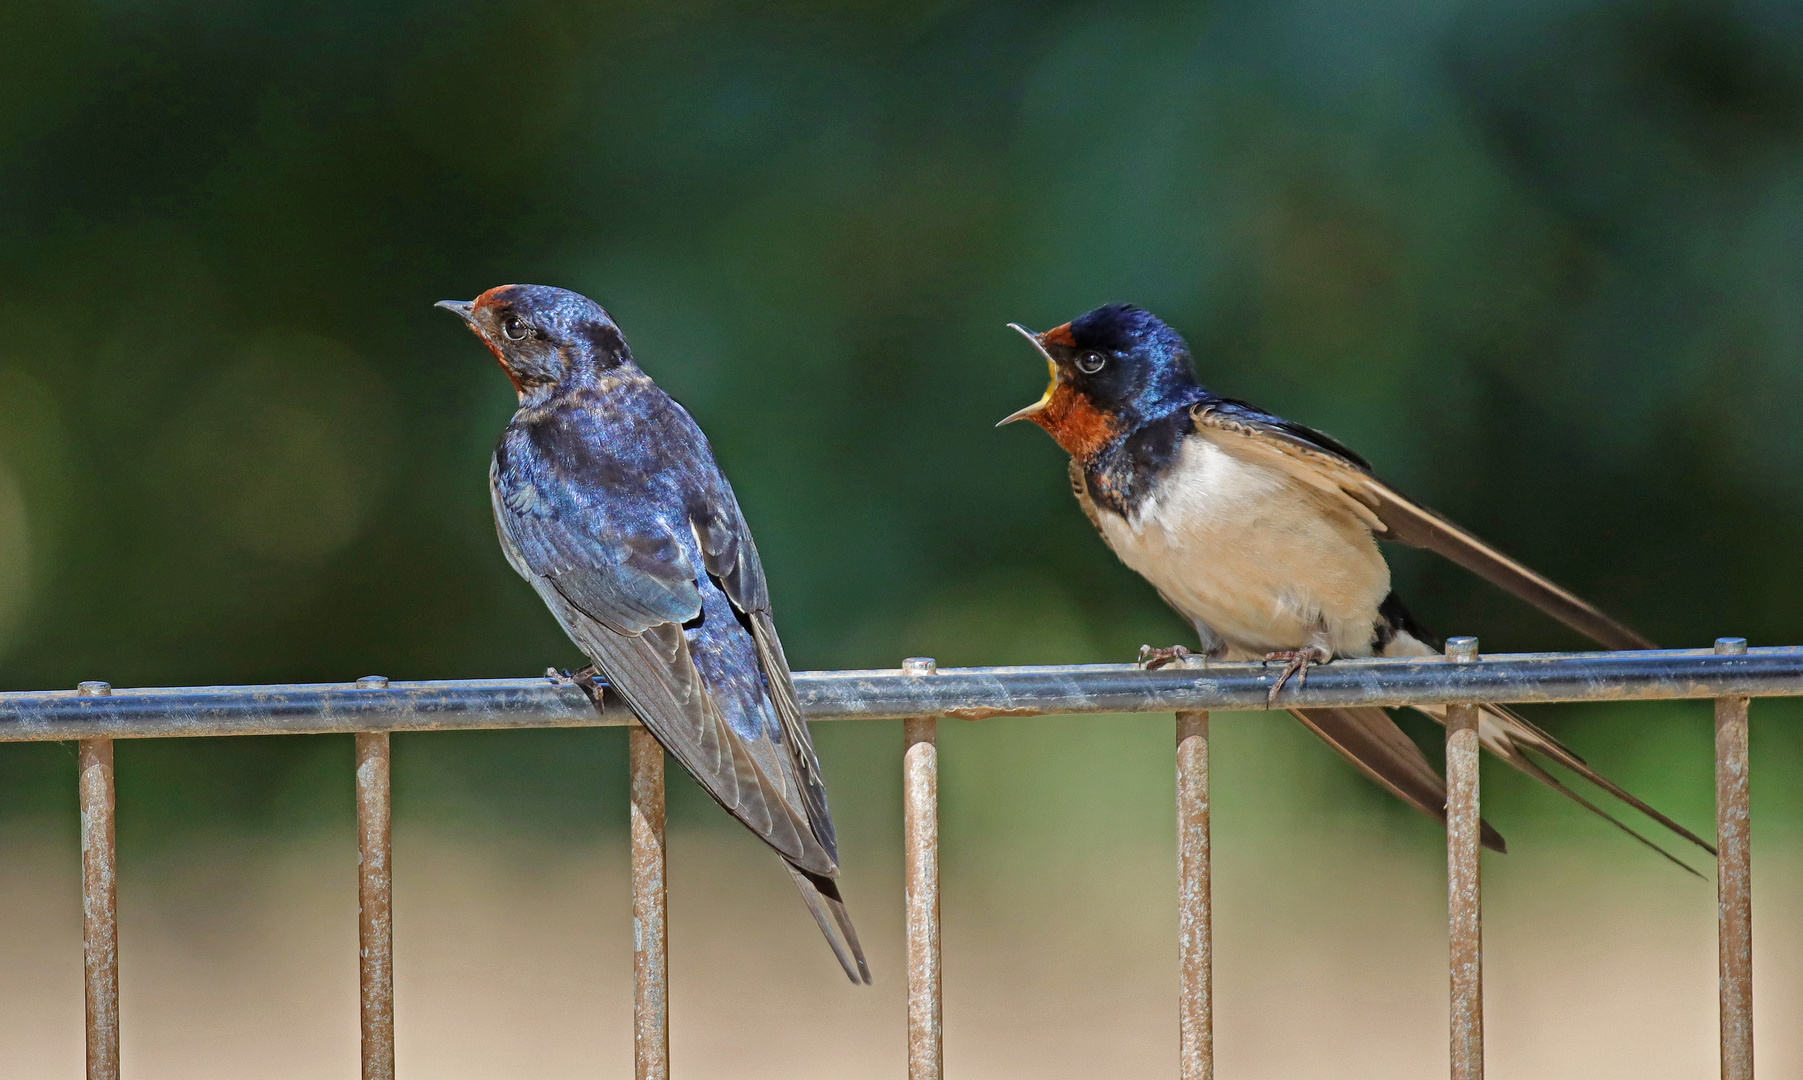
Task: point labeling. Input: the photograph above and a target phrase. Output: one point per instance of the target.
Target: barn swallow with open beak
(608, 500)
(1262, 534)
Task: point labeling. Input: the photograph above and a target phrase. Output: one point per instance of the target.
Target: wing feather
(1080, 488)
(623, 595)
(655, 675)
(1324, 465)
(731, 557)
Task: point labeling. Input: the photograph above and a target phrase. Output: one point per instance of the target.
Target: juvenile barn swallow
(609, 502)
(1263, 535)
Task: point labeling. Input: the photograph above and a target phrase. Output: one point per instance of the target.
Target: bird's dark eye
(515, 328)
(1090, 362)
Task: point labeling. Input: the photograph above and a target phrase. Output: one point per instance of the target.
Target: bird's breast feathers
(1260, 558)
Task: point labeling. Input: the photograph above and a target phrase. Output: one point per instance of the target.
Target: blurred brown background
(1540, 260)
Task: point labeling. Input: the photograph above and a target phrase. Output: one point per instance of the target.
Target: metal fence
(372, 707)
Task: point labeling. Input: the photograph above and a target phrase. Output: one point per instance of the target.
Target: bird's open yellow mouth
(1051, 367)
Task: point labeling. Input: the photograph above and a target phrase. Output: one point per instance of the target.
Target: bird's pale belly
(1255, 556)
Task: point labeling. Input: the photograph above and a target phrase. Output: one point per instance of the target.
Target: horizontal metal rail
(958, 693)
(95, 714)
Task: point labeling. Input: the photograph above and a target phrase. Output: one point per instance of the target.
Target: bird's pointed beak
(464, 309)
(1037, 407)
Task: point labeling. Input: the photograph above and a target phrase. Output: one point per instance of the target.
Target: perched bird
(1263, 535)
(609, 502)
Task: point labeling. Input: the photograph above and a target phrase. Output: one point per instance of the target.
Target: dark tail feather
(1532, 769)
(1529, 736)
(1368, 737)
(822, 895)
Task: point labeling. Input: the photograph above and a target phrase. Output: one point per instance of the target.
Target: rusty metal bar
(1734, 877)
(375, 928)
(99, 900)
(920, 786)
(920, 832)
(1464, 896)
(650, 934)
(1195, 912)
(961, 693)
(1732, 673)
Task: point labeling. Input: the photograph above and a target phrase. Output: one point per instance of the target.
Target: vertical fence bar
(375, 927)
(920, 786)
(650, 934)
(99, 899)
(1734, 877)
(1464, 896)
(920, 829)
(1195, 912)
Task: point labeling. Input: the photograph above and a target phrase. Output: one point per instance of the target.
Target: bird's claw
(1152, 659)
(584, 678)
(1298, 661)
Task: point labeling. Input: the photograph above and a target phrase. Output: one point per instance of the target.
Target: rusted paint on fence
(920, 840)
(1734, 878)
(157, 712)
(1464, 895)
(99, 900)
(650, 940)
(920, 786)
(1731, 674)
(1195, 913)
(375, 929)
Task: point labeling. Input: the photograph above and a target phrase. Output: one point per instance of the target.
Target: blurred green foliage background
(1541, 261)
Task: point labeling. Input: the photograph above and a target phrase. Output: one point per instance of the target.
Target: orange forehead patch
(1075, 424)
(490, 296)
(1059, 335)
(483, 301)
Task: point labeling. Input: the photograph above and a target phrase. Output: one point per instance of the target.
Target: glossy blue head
(1112, 369)
(544, 338)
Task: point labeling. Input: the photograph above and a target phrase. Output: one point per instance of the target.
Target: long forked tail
(1509, 735)
(1368, 737)
(1533, 769)
(1523, 732)
(822, 896)
(1520, 734)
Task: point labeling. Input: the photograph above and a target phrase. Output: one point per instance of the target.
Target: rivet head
(1461, 650)
(920, 665)
(1731, 646)
(373, 682)
(94, 688)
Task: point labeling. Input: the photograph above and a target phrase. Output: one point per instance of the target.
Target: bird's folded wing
(1366, 736)
(1323, 464)
(626, 579)
(623, 598)
(732, 558)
